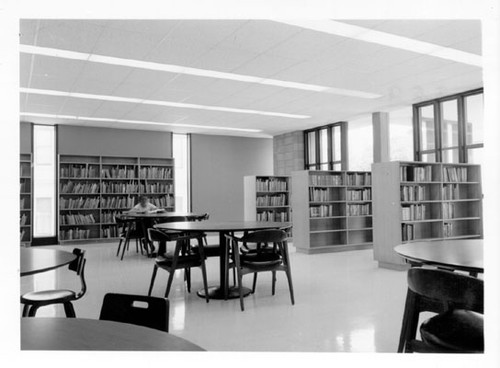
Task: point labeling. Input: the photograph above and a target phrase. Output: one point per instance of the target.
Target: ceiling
(164, 94)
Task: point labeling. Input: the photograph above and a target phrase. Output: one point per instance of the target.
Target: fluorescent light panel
(158, 103)
(125, 121)
(386, 39)
(46, 51)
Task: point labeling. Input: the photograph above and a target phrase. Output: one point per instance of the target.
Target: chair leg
(32, 311)
(69, 310)
(410, 322)
(136, 246)
(26, 310)
(274, 282)
(204, 276)
(155, 270)
(125, 245)
(119, 246)
(290, 285)
(187, 277)
(240, 287)
(169, 282)
(254, 282)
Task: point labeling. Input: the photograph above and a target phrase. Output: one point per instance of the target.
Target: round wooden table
(223, 228)
(90, 334)
(458, 254)
(41, 260)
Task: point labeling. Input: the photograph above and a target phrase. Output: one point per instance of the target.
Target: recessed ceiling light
(46, 51)
(159, 103)
(125, 121)
(386, 39)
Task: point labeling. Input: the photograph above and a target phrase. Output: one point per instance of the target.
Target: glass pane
(44, 178)
(323, 145)
(337, 145)
(475, 156)
(180, 149)
(401, 134)
(429, 157)
(427, 140)
(311, 144)
(323, 167)
(337, 166)
(474, 119)
(450, 155)
(449, 124)
(360, 143)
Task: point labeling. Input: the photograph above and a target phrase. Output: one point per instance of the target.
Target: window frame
(331, 163)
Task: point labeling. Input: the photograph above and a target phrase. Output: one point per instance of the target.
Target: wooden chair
(181, 258)
(139, 310)
(261, 258)
(36, 299)
(459, 301)
(129, 231)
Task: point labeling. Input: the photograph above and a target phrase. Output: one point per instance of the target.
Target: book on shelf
(320, 195)
(271, 200)
(451, 191)
(448, 210)
(120, 188)
(411, 193)
(359, 179)
(321, 211)
(74, 234)
(157, 188)
(79, 171)
(110, 232)
(455, 174)
(118, 202)
(117, 172)
(359, 194)
(358, 209)
(407, 232)
(71, 187)
(164, 201)
(272, 216)
(23, 233)
(328, 180)
(415, 173)
(271, 185)
(77, 219)
(155, 173)
(447, 229)
(80, 202)
(414, 212)
(24, 219)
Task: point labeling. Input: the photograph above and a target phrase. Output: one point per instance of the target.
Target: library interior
(169, 169)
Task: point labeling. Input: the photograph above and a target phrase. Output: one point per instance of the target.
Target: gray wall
(76, 140)
(288, 153)
(219, 164)
(25, 138)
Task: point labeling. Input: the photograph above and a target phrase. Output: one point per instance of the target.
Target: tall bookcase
(331, 210)
(94, 189)
(26, 200)
(267, 198)
(417, 201)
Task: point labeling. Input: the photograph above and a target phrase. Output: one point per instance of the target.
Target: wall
(218, 166)
(288, 152)
(78, 140)
(25, 138)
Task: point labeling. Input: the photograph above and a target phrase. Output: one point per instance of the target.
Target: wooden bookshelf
(94, 189)
(417, 201)
(331, 210)
(26, 199)
(267, 198)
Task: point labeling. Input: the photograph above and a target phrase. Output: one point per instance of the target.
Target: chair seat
(457, 330)
(260, 260)
(210, 250)
(167, 258)
(53, 296)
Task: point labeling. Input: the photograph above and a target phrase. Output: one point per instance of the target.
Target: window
(360, 143)
(181, 149)
(324, 147)
(44, 178)
(450, 129)
(401, 134)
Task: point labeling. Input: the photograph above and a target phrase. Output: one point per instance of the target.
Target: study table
(458, 254)
(41, 260)
(223, 228)
(91, 334)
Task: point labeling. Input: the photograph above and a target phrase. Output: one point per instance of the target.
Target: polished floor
(343, 302)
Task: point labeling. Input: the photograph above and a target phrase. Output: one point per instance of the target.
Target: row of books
(25, 186)
(24, 204)
(125, 188)
(414, 212)
(271, 185)
(407, 232)
(325, 180)
(448, 210)
(77, 219)
(272, 200)
(455, 174)
(321, 195)
(157, 188)
(359, 179)
(80, 202)
(448, 229)
(322, 211)
(109, 216)
(358, 209)
(155, 173)
(110, 232)
(415, 173)
(272, 216)
(118, 202)
(24, 236)
(359, 195)
(79, 171)
(412, 193)
(165, 201)
(118, 173)
(24, 219)
(451, 191)
(79, 188)
(25, 169)
(72, 234)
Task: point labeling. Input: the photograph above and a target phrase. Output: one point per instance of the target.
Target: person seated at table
(144, 205)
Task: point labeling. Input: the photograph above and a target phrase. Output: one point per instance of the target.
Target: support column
(381, 147)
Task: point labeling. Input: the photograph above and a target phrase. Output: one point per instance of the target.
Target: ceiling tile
(147, 26)
(103, 76)
(223, 58)
(42, 104)
(142, 83)
(113, 110)
(79, 107)
(265, 66)
(472, 45)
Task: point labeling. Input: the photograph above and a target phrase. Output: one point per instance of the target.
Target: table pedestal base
(215, 292)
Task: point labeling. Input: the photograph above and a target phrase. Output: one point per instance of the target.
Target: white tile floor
(343, 302)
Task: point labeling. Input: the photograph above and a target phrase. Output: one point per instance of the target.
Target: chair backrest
(265, 236)
(453, 289)
(78, 266)
(203, 217)
(139, 310)
(158, 235)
